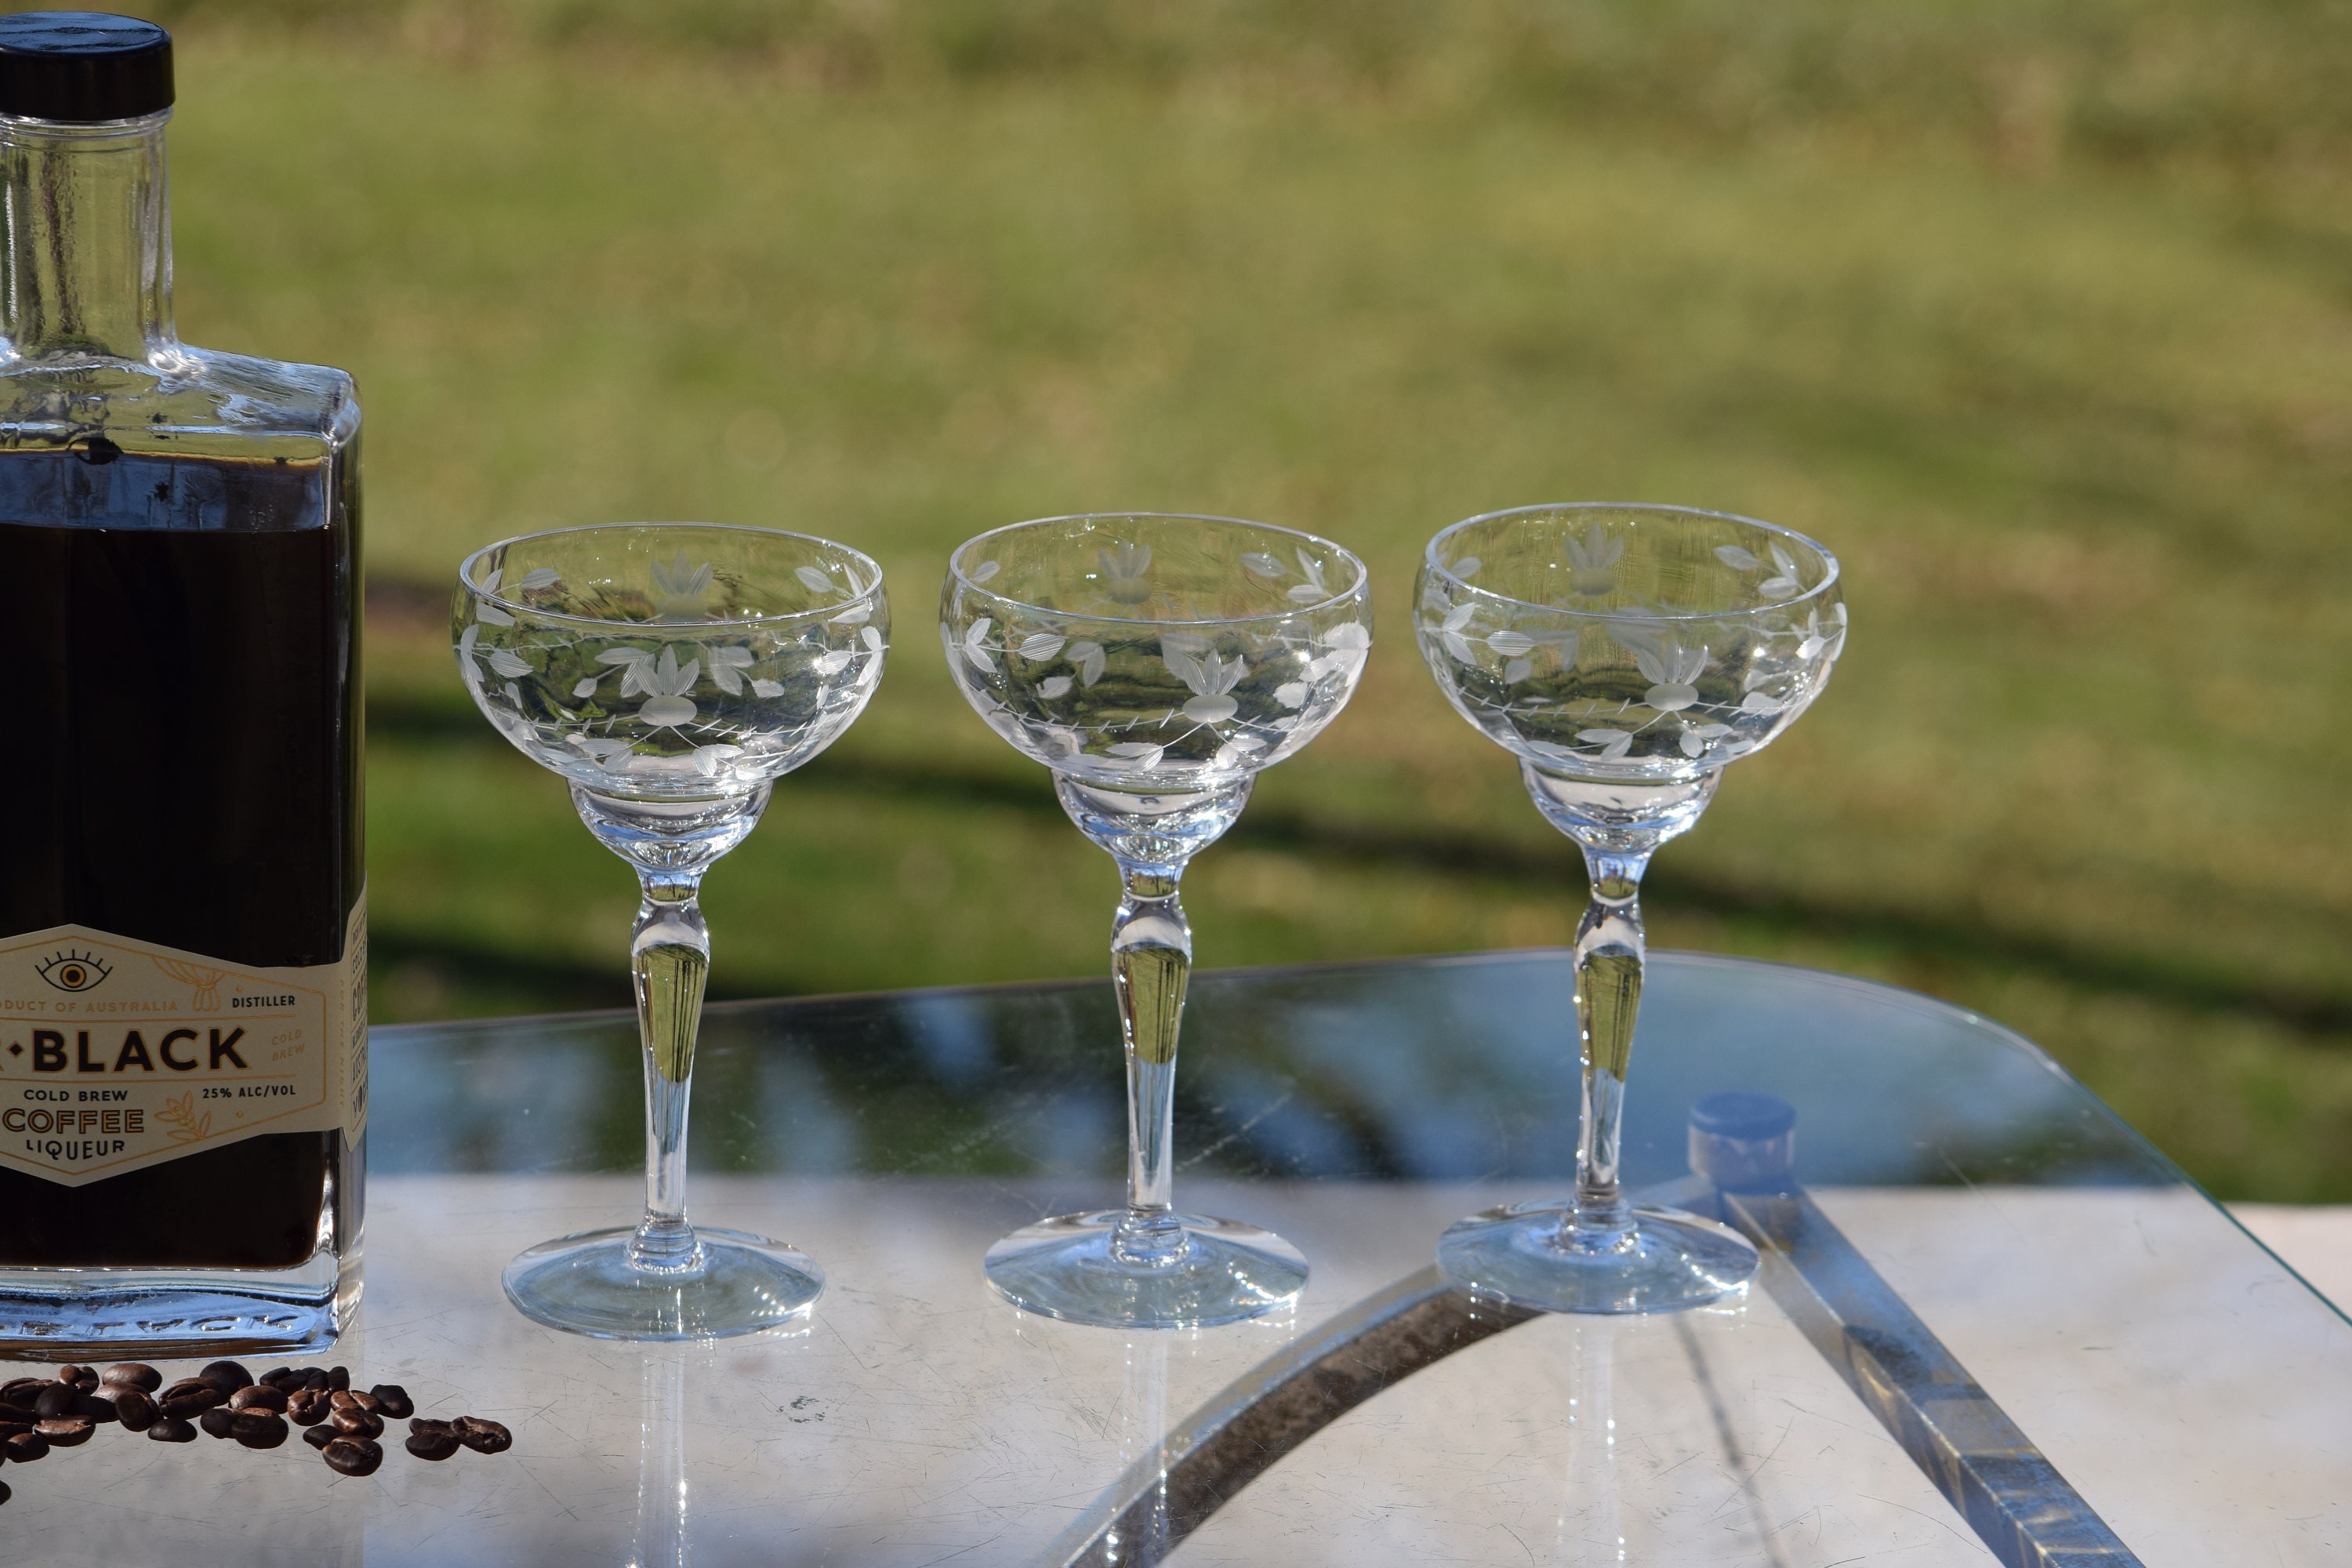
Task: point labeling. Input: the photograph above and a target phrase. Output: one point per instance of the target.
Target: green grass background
(2038, 311)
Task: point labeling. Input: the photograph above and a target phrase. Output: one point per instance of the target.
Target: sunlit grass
(2056, 359)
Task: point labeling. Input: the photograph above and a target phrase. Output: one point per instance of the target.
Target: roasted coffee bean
(316, 1377)
(307, 1407)
(16, 1421)
(436, 1442)
(284, 1378)
(57, 1399)
(428, 1423)
(353, 1399)
(338, 1377)
(482, 1436)
(352, 1456)
(94, 1407)
(170, 1429)
(25, 1448)
(320, 1436)
(392, 1401)
(66, 1433)
(135, 1374)
(217, 1422)
(82, 1377)
(258, 1428)
(20, 1392)
(357, 1423)
(225, 1376)
(134, 1410)
(4, 1493)
(260, 1396)
(188, 1397)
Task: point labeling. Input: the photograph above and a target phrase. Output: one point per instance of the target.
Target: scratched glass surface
(2189, 1387)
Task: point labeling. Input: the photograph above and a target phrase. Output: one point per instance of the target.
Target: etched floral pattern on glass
(670, 675)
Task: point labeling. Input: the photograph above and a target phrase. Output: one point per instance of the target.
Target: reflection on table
(2190, 1387)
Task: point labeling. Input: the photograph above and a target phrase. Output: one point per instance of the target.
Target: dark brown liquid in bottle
(183, 767)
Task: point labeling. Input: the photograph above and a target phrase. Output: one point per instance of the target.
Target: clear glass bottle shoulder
(182, 401)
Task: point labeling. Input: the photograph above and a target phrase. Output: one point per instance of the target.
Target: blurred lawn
(2040, 314)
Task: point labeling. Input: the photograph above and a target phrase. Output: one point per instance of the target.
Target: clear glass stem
(669, 954)
(1608, 998)
(1151, 960)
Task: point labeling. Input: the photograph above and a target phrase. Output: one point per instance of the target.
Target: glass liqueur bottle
(182, 926)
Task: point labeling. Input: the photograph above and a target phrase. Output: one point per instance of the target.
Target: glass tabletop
(2194, 1396)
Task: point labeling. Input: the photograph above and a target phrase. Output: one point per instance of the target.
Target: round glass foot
(1677, 1261)
(584, 1283)
(1225, 1272)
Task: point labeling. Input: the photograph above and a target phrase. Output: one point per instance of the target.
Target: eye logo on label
(70, 971)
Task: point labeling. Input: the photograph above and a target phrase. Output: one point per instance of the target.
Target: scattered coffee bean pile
(39, 1414)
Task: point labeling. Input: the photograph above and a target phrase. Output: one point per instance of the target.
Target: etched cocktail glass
(1155, 663)
(1624, 654)
(670, 672)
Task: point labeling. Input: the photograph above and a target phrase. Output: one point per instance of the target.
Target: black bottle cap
(83, 66)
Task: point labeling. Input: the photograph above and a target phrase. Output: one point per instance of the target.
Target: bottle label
(117, 1055)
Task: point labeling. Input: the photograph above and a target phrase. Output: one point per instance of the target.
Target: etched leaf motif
(983, 571)
(1291, 693)
(585, 686)
(540, 577)
(1671, 668)
(975, 640)
(727, 666)
(492, 616)
(1124, 568)
(1733, 556)
(853, 615)
(1696, 737)
(1265, 565)
(1091, 660)
(1180, 652)
(1136, 755)
(766, 689)
(1039, 648)
(1761, 703)
(678, 588)
(814, 581)
(1467, 567)
(1821, 638)
(1312, 590)
(1590, 561)
(634, 662)
(832, 662)
(1786, 581)
(1613, 744)
(1519, 669)
(1511, 645)
(1452, 633)
(668, 681)
(1055, 686)
(508, 664)
(1214, 708)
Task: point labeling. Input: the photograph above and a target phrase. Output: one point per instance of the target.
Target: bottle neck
(86, 261)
